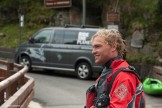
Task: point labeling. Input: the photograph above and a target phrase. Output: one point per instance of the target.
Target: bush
(144, 59)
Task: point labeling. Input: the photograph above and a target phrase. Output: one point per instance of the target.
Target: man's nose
(93, 51)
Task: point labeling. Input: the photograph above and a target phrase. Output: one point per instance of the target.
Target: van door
(63, 44)
(70, 48)
(55, 48)
(37, 45)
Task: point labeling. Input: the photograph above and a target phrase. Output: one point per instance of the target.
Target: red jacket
(126, 91)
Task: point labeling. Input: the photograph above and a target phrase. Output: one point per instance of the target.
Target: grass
(12, 35)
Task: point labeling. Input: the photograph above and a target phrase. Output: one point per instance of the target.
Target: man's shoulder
(126, 73)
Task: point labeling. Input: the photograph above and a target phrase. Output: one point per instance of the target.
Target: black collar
(108, 64)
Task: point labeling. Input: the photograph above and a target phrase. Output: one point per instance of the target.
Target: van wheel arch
(25, 60)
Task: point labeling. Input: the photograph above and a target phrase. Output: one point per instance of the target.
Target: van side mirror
(31, 40)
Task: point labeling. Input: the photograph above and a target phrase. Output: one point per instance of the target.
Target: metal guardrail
(8, 53)
(16, 88)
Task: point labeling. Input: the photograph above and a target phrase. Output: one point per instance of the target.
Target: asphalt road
(58, 90)
(55, 90)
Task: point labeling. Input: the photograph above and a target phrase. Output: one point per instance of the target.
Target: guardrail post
(13, 88)
(10, 66)
(3, 74)
(1, 97)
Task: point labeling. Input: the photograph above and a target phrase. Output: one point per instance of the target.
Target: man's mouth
(96, 56)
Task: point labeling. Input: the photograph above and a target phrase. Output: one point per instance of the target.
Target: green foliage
(40, 14)
(141, 11)
(9, 3)
(158, 16)
(34, 11)
(159, 48)
(97, 3)
(159, 8)
(12, 35)
(144, 59)
(149, 60)
(134, 58)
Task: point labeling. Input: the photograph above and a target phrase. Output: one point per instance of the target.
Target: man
(126, 90)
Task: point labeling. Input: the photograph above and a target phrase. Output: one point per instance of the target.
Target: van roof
(72, 28)
(77, 27)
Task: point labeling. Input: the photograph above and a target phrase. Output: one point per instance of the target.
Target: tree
(158, 15)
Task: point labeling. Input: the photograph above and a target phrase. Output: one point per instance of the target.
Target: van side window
(43, 36)
(91, 33)
(70, 37)
(58, 37)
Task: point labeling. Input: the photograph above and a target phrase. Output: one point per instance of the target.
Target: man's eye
(96, 46)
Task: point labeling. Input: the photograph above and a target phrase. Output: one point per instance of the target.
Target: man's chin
(98, 62)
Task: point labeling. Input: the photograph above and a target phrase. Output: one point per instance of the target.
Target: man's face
(102, 51)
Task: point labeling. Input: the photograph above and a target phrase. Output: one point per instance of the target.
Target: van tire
(25, 60)
(84, 71)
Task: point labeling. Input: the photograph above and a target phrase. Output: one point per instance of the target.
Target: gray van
(60, 48)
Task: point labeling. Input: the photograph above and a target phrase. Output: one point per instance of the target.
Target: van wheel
(25, 60)
(84, 71)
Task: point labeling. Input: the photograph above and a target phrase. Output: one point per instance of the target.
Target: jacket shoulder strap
(130, 69)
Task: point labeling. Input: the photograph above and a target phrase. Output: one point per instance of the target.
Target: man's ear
(113, 48)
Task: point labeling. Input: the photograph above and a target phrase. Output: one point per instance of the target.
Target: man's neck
(108, 63)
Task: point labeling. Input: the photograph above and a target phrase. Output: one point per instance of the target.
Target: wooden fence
(16, 88)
